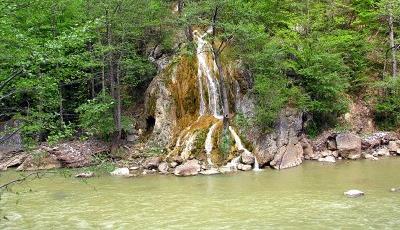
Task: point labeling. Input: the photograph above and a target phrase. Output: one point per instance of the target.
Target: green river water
(306, 197)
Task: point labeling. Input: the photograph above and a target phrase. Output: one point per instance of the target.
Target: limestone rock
(289, 156)
(11, 159)
(190, 168)
(247, 158)
(354, 193)
(163, 168)
(370, 157)
(174, 164)
(120, 172)
(75, 154)
(329, 159)
(331, 144)
(152, 163)
(244, 167)
(212, 171)
(394, 147)
(381, 152)
(349, 145)
(327, 152)
(308, 151)
(39, 161)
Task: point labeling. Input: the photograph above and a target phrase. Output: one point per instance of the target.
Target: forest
(78, 67)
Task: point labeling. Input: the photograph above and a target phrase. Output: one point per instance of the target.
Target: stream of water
(309, 196)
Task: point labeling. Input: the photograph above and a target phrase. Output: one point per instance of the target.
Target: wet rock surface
(354, 193)
(190, 168)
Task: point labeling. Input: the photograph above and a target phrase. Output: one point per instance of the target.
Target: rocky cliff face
(282, 148)
(183, 113)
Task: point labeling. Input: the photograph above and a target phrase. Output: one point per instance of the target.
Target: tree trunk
(118, 108)
(224, 91)
(221, 78)
(392, 44)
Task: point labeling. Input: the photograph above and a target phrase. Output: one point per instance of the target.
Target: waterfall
(188, 146)
(240, 147)
(256, 165)
(207, 71)
(238, 142)
(209, 143)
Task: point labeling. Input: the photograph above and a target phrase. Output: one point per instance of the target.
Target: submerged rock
(212, 171)
(329, 159)
(354, 193)
(120, 172)
(370, 157)
(349, 145)
(85, 175)
(190, 168)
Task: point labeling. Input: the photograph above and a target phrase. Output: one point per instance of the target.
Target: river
(309, 196)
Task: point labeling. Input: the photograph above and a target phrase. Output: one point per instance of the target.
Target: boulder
(174, 164)
(349, 145)
(370, 157)
(244, 167)
(395, 189)
(380, 152)
(394, 147)
(178, 159)
(85, 175)
(327, 152)
(288, 156)
(163, 168)
(308, 151)
(331, 144)
(120, 172)
(152, 163)
(247, 158)
(76, 154)
(329, 159)
(354, 193)
(190, 168)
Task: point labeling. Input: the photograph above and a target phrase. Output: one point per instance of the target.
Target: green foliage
(66, 132)
(225, 144)
(387, 107)
(96, 116)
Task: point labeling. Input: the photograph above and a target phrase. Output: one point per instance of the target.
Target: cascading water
(209, 104)
(240, 147)
(207, 71)
(209, 143)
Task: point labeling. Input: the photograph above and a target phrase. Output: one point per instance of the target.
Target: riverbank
(307, 196)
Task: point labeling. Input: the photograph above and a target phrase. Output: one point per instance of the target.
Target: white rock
(381, 152)
(120, 172)
(212, 171)
(370, 157)
(354, 193)
(329, 159)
